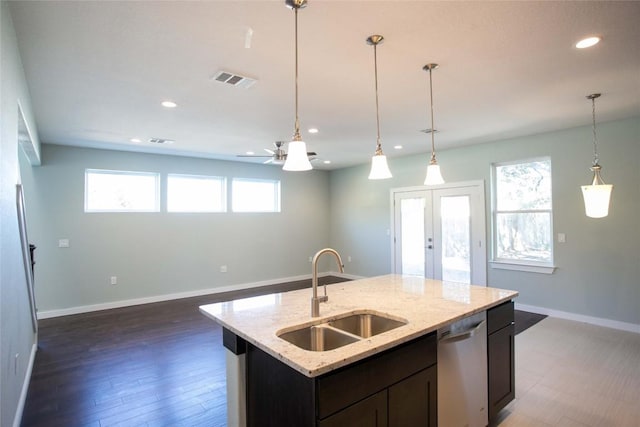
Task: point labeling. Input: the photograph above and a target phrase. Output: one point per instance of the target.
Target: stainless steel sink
(318, 338)
(340, 331)
(366, 325)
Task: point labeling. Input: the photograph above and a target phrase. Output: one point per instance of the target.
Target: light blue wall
(16, 335)
(155, 254)
(598, 271)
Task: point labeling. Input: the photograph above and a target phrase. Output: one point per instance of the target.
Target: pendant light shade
(379, 166)
(297, 158)
(434, 177)
(597, 195)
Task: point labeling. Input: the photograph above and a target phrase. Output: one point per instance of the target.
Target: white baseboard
(17, 420)
(599, 321)
(167, 297)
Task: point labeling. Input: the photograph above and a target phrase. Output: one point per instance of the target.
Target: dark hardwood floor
(158, 364)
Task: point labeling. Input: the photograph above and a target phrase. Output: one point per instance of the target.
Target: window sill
(530, 268)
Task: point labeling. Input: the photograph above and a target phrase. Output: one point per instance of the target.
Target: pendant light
(379, 166)
(434, 177)
(297, 158)
(597, 195)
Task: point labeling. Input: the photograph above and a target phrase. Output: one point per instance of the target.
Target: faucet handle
(323, 298)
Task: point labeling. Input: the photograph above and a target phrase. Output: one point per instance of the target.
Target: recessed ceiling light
(135, 140)
(398, 147)
(313, 130)
(169, 104)
(326, 162)
(588, 42)
(250, 153)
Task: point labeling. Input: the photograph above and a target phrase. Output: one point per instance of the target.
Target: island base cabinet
(370, 412)
(395, 388)
(501, 357)
(414, 401)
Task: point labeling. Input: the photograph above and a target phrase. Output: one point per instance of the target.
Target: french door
(439, 233)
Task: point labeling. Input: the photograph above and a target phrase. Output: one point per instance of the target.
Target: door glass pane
(456, 238)
(412, 236)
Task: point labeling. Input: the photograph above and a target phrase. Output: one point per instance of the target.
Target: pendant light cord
(433, 146)
(375, 66)
(595, 138)
(296, 135)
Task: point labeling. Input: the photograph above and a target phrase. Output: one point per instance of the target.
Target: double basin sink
(340, 331)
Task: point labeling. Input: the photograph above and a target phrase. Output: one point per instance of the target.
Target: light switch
(562, 238)
(63, 243)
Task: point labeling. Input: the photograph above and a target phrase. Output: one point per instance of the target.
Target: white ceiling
(98, 70)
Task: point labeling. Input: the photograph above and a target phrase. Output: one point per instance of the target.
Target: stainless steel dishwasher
(462, 373)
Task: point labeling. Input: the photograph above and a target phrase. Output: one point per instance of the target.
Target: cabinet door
(413, 401)
(370, 412)
(500, 347)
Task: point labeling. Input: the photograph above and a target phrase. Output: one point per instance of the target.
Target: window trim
(221, 179)
(520, 265)
(155, 175)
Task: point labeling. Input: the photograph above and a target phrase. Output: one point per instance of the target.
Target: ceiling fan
(277, 156)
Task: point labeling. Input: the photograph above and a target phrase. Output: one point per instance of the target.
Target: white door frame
(476, 190)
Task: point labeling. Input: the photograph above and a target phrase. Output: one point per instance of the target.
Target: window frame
(278, 195)
(223, 196)
(155, 175)
(545, 267)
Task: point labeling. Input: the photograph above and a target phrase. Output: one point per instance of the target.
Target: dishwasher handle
(460, 336)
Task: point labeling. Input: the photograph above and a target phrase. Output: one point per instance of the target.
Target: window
(522, 214)
(119, 191)
(255, 195)
(192, 193)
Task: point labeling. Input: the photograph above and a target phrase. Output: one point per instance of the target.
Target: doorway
(439, 233)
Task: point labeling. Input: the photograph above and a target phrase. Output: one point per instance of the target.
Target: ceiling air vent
(160, 141)
(233, 79)
(429, 130)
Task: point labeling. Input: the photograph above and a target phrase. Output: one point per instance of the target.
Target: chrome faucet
(315, 300)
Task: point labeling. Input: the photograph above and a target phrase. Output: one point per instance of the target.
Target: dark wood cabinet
(397, 387)
(370, 412)
(500, 357)
(414, 401)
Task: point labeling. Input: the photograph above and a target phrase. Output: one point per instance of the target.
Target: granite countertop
(426, 304)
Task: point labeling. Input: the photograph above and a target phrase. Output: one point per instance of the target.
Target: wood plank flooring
(159, 364)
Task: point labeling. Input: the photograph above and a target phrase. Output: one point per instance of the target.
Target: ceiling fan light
(297, 159)
(379, 167)
(434, 177)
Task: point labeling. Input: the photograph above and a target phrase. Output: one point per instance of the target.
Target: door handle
(450, 338)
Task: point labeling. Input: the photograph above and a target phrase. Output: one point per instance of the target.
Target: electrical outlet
(114, 280)
(63, 243)
(223, 269)
(562, 238)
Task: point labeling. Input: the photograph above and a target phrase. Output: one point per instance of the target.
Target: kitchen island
(261, 366)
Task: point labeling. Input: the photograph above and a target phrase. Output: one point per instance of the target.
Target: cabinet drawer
(343, 387)
(499, 317)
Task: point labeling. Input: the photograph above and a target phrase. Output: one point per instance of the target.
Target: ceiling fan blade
(266, 162)
(311, 153)
(249, 155)
(269, 151)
